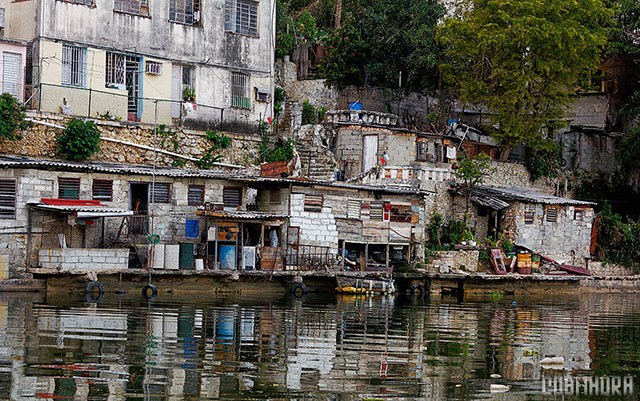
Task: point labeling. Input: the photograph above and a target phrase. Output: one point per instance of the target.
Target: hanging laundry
(451, 152)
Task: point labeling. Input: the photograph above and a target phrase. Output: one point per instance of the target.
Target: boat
(363, 285)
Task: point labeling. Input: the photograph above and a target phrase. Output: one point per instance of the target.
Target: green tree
(524, 59)
(472, 171)
(12, 118)
(79, 140)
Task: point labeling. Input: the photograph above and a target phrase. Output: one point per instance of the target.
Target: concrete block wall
(265, 202)
(317, 229)
(83, 259)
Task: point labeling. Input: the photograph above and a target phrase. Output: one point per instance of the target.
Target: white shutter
(176, 90)
(11, 74)
(353, 209)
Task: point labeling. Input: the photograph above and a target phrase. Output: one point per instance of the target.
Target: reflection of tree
(615, 350)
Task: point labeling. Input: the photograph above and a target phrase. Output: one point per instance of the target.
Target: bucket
(158, 256)
(171, 257)
(524, 263)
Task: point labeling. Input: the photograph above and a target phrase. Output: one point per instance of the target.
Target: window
(529, 217)
(162, 193)
(102, 190)
(185, 11)
(376, 211)
(153, 68)
(115, 71)
(73, 65)
(353, 208)
(137, 7)
(313, 203)
(241, 16)
(7, 198)
(552, 215)
(188, 81)
(90, 3)
(578, 215)
(196, 195)
(232, 196)
(421, 151)
(68, 188)
(239, 95)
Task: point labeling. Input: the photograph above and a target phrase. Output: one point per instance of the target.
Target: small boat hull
(363, 285)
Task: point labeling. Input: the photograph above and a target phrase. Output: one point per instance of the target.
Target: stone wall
(609, 269)
(71, 259)
(40, 142)
(448, 261)
(508, 174)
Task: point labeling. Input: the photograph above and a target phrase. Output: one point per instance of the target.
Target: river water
(331, 348)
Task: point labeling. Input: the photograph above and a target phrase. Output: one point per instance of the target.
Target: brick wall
(77, 259)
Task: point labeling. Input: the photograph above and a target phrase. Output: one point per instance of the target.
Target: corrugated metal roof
(80, 208)
(241, 214)
(490, 202)
(336, 184)
(525, 195)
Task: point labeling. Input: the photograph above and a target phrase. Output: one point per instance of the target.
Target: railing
(309, 257)
(361, 117)
(413, 176)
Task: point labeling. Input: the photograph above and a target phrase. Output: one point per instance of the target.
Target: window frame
(142, 5)
(113, 71)
(69, 50)
(202, 194)
(68, 181)
(313, 203)
(196, 19)
(80, 2)
(101, 197)
(240, 83)
(152, 196)
(6, 182)
(351, 207)
(232, 188)
(551, 215)
(231, 11)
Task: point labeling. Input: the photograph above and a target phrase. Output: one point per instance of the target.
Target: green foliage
(282, 150)
(597, 187)
(435, 225)
(496, 296)
(12, 118)
(108, 116)
(79, 140)
(189, 93)
(443, 235)
(279, 97)
(168, 138)
(629, 149)
(523, 60)
(618, 242)
(471, 171)
(380, 40)
(507, 245)
(545, 160)
(210, 156)
(290, 31)
(308, 113)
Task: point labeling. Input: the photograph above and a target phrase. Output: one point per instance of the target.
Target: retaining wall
(75, 259)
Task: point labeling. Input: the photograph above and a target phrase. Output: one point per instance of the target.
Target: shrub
(308, 113)
(79, 140)
(12, 118)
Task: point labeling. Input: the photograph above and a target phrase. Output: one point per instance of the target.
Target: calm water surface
(335, 348)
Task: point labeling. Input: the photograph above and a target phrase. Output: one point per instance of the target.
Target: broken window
(239, 90)
(241, 16)
(68, 188)
(161, 192)
(232, 196)
(115, 70)
(102, 190)
(7, 198)
(552, 215)
(195, 196)
(313, 203)
(353, 208)
(136, 7)
(73, 65)
(185, 11)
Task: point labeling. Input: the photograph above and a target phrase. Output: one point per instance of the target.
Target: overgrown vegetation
(282, 150)
(168, 138)
(12, 118)
(544, 160)
(79, 140)
(472, 171)
(444, 234)
(279, 97)
(210, 157)
(308, 113)
(622, 197)
(618, 242)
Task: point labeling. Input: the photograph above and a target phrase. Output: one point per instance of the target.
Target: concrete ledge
(22, 285)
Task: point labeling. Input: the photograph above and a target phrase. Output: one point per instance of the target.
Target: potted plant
(189, 94)
(468, 238)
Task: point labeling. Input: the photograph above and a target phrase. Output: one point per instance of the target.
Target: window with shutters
(12, 74)
(552, 215)
(102, 190)
(185, 11)
(240, 90)
(241, 16)
(232, 196)
(354, 206)
(313, 203)
(135, 7)
(73, 65)
(161, 192)
(7, 198)
(196, 195)
(376, 211)
(68, 188)
(529, 217)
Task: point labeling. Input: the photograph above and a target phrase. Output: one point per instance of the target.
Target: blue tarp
(192, 229)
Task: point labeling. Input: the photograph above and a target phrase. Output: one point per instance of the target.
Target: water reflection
(344, 348)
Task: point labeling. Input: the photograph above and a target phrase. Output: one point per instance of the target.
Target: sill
(74, 86)
(133, 14)
(71, 2)
(198, 25)
(242, 34)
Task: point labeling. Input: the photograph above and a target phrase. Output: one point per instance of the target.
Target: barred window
(241, 16)
(102, 190)
(137, 7)
(232, 196)
(7, 198)
(188, 81)
(162, 192)
(195, 195)
(185, 11)
(73, 65)
(90, 3)
(115, 71)
(68, 188)
(529, 217)
(239, 90)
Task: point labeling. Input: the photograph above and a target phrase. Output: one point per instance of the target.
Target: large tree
(523, 59)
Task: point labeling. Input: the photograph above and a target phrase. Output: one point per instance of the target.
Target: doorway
(132, 81)
(139, 203)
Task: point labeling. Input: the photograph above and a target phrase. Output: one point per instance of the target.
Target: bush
(618, 242)
(308, 113)
(12, 118)
(79, 140)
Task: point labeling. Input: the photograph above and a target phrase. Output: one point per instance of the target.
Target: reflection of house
(555, 227)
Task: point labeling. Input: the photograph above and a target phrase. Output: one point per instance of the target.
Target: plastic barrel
(186, 256)
(171, 257)
(158, 256)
